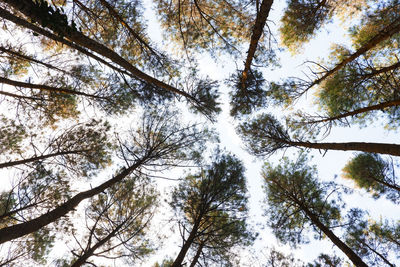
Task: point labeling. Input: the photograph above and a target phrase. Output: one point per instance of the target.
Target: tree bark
(383, 35)
(258, 28)
(197, 256)
(19, 230)
(186, 245)
(339, 243)
(45, 88)
(359, 111)
(33, 159)
(380, 148)
(23, 23)
(29, 9)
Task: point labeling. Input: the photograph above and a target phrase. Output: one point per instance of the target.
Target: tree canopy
(119, 118)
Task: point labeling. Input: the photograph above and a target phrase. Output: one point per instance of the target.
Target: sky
(329, 164)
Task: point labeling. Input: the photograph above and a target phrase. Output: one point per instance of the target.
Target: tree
(160, 141)
(258, 28)
(212, 203)
(213, 25)
(67, 33)
(82, 148)
(117, 222)
(364, 238)
(303, 18)
(371, 37)
(264, 135)
(374, 174)
(296, 199)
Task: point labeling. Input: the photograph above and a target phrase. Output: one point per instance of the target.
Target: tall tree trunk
(23, 23)
(380, 106)
(45, 88)
(186, 245)
(383, 35)
(380, 148)
(30, 9)
(258, 28)
(357, 261)
(19, 230)
(197, 256)
(33, 159)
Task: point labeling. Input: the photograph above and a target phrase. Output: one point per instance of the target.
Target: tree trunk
(30, 9)
(357, 261)
(383, 35)
(186, 245)
(45, 88)
(359, 111)
(258, 28)
(33, 159)
(380, 148)
(197, 256)
(23, 23)
(19, 230)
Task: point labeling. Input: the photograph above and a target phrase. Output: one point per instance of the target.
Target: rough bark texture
(258, 28)
(21, 229)
(380, 148)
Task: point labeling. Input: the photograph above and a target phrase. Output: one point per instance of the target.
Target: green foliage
(213, 203)
(121, 216)
(325, 260)
(293, 193)
(11, 135)
(264, 135)
(199, 25)
(370, 241)
(206, 94)
(374, 174)
(247, 96)
(301, 20)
